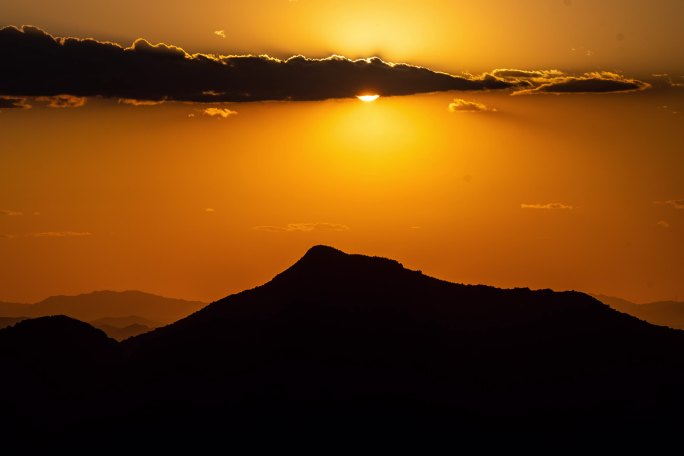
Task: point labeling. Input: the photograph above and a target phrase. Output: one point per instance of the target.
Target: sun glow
(368, 98)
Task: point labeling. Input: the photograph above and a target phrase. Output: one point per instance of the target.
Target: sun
(368, 98)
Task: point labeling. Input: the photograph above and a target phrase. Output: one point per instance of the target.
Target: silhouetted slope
(109, 304)
(9, 321)
(44, 350)
(350, 332)
(52, 369)
(664, 313)
(338, 343)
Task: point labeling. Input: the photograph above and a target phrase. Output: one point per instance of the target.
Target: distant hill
(107, 304)
(123, 332)
(121, 328)
(9, 321)
(664, 313)
(341, 344)
(122, 322)
(13, 309)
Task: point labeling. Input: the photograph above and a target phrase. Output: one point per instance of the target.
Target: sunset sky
(153, 167)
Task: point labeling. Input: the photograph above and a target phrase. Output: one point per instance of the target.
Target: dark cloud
(63, 101)
(556, 81)
(595, 82)
(507, 73)
(12, 103)
(38, 64)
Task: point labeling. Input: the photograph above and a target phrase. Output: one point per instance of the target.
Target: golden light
(368, 98)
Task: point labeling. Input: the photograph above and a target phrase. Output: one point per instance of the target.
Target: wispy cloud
(63, 101)
(10, 213)
(555, 81)
(592, 82)
(677, 204)
(547, 206)
(668, 79)
(220, 33)
(60, 234)
(14, 103)
(302, 227)
(134, 102)
(222, 113)
(461, 105)
(663, 224)
(213, 93)
(520, 75)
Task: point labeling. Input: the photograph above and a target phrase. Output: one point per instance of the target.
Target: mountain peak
(326, 257)
(323, 252)
(324, 264)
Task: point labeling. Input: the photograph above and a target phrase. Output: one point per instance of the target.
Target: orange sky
(576, 191)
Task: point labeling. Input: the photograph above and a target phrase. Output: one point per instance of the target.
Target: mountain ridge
(337, 339)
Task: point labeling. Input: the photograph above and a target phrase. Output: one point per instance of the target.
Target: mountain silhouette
(664, 313)
(42, 343)
(341, 343)
(52, 368)
(9, 321)
(121, 328)
(118, 328)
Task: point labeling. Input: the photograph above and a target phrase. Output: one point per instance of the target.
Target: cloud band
(38, 64)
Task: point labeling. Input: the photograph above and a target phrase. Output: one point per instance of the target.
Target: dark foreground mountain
(339, 344)
(664, 313)
(9, 321)
(116, 328)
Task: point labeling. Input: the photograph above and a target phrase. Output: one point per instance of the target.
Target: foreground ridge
(339, 338)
